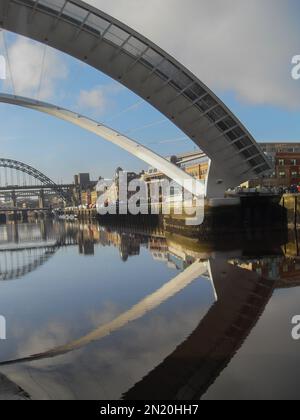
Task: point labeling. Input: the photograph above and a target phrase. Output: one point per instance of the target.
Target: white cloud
(239, 45)
(99, 99)
(94, 99)
(232, 45)
(27, 58)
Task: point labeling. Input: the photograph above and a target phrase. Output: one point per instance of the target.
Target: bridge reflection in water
(242, 283)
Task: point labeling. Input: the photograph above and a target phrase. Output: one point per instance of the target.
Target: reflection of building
(159, 249)
(129, 247)
(285, 270)
(267, 268)
(128, 244)
(86, 245)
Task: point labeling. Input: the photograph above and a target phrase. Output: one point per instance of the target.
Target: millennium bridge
(88, 34)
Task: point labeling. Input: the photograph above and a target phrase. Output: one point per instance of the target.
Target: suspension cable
(42, 71)
(9, 64)
(145, 126)
(170, 141)
(124, 111)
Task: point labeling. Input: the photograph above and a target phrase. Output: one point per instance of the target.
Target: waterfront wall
(253, 213)
(291, 203)
(267, 213)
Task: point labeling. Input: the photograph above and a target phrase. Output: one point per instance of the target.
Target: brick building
(286, 161)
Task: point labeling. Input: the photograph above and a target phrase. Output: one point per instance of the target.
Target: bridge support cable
(9, 63)
(125, 111)
(42, 72)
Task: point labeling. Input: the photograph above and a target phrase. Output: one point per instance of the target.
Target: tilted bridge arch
(29, 170)
(108, 45)
(114, 137)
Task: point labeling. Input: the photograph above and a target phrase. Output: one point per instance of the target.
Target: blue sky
(267, 123)
(259, 91)
(60, 150)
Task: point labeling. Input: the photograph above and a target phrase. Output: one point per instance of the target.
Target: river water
(111, 312)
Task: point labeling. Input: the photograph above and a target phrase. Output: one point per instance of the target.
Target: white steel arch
(108, 45)
(172, 171)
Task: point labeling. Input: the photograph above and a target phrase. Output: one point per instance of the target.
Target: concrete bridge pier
(14, 199)
(15, 216)
(24, 216)
(42, 199)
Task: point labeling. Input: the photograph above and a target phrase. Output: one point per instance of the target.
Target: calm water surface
(98, 312)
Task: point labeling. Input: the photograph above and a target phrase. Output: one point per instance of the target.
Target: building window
(294, 174)
(282, 174)
(281, 162)
(293, 162)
